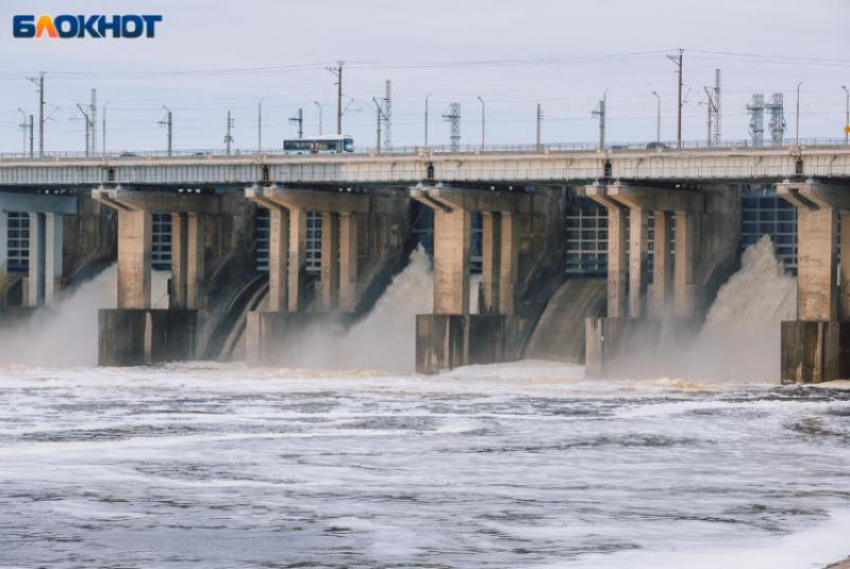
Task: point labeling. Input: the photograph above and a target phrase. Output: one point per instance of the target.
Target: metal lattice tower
(777, 124)
(452, 116)
(756, 110)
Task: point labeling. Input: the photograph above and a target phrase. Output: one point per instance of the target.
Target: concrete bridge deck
(534, 165)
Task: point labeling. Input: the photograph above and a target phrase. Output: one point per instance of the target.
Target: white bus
(327, 144)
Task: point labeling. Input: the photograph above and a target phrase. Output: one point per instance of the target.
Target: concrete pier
(520, 236)
(816, 346)
(363, 242)
(134, 333)
(684, 281)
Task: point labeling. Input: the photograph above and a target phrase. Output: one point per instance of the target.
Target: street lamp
(846, 115)
(260, 125)
(318, 104)
(798, 112)
(658, 118)
(23, 130)
(428, 96)
(483, 120)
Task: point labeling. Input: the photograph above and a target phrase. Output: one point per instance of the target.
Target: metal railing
(468, 149)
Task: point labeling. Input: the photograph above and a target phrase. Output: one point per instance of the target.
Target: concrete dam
(594, 257)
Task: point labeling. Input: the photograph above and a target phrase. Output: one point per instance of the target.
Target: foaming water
(741, 336)
(514, 465)
(67, 334)
(386, 338)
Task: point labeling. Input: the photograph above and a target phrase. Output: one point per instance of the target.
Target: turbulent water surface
(517, 465)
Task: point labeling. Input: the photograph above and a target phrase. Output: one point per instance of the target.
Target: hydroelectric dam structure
(552, 252)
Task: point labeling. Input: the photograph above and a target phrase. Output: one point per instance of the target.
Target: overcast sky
(211, 57)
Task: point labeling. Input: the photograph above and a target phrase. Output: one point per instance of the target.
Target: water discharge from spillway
(67, 334)
(386, 338)
(740, 339)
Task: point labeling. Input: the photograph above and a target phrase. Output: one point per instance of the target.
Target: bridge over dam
(263, 247)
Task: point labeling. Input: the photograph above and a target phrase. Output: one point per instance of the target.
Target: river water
(526, 464)
(515, 465)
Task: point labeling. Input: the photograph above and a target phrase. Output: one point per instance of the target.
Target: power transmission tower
(777, 124)
(337, 71)
(452, 116)
(539, 121)
(756, 110)
(39, 82)
(228, 137)
(388, 113)
(168, 122)
(678, 61)
(716, 107)
(600, 112)
(299, 120)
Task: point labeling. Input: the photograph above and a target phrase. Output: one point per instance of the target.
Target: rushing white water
(67, 334)
(386, 338)
(740, 339)
(514, 465)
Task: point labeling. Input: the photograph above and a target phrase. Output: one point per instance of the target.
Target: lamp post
(658, 117)
(798, 112)
(483, 121)
(321, 112)
(846, 114)
(428, 96)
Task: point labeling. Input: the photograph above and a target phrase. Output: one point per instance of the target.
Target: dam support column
(816, 346)
(363, 244)
(516, 240)
(707, 228)
(44, 279)
(134, 333)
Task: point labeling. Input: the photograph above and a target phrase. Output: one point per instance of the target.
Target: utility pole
(228, 137)
(710, 106)
(657, 117)
(483, 121)
(337, 71)
(679, 61)
(260, 125)
(23, 126)
(39, 82)
(93, 120)
(380, 117)
(88, 126)
(388, 117)
(846, 114)
(168, 122)
(428, 96)
(539, 125)
(798, 112)
(32, 136)
(318, 104)
(103, 129)
(299, 120)
(600, 112)
(716, 107)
